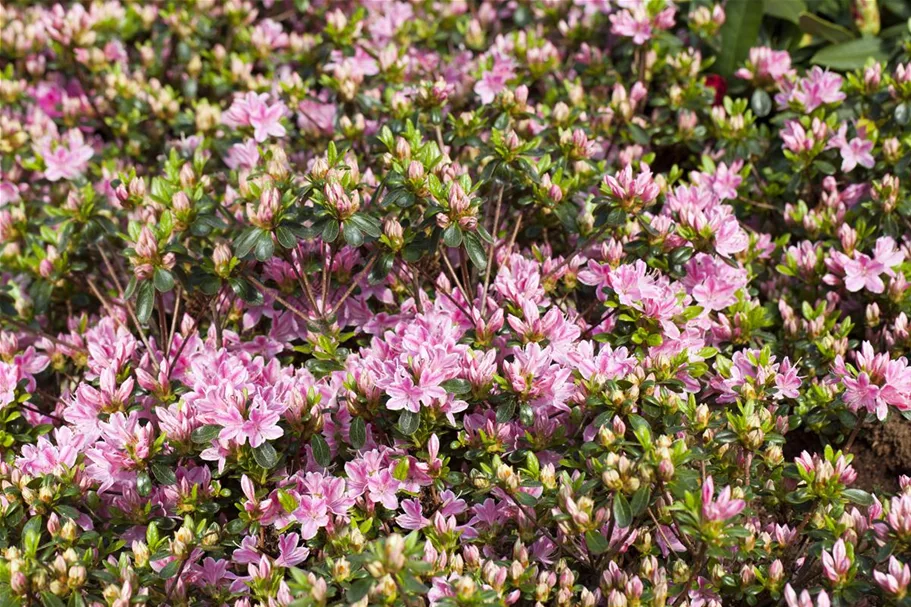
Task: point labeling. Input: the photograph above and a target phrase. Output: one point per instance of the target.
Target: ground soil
(882, 453)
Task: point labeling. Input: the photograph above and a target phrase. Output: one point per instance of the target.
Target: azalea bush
(453, 304)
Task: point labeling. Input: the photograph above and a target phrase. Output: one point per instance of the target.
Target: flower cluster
(452, 304)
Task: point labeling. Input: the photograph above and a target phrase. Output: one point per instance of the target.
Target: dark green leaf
(145, 301)
(264, 246)
(143, 484)
(817, 26)
(457, 386)
(246, 241)
(761, 103)
(858, 496)
(205, 434)
(320, 448)
(452, 235)
(353, 236)
(739, 32)
(640, 500)
(265, 456)
(596, 542)
(851, 55)
(475, 250)
(164, 280)
(358, 432)
(623, 514)
(285, 237)
(789, 10)
(409, 422)
(506, 411)
(170, 570)
(358, 590)
(164, 474)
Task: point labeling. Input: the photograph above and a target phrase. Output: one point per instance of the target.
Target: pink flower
(313, 515)
(805, 600)
(722, 508)
(243, 155)
(766, 65)
(857, 152)
(290, 553)
(254, 110)
(66, 158)
(493, 81)
(836, 564)
(863, 272)
(381, 489)
(262, 425)
(413, 518)
(898, 579)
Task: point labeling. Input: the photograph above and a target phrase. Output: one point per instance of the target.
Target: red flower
(720, 85)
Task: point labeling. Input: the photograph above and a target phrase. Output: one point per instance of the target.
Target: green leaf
(288, 501)
(320, 448)
(596, 542)
(819, 27)
(163, 280)
(265, 456)
(789, 10)
(739, 32)
(164, 474)
(623, 514)
(205, 434)
(851, 55)
(145, 301)
(409, 422)
(457, 386)
(475, 250)
(400, 472)
(358, 432)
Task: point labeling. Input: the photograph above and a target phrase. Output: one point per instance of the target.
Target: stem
(354, 284)
(853, 435)
(60, 342)
(130, 310)
(493, 246)
(266, 290)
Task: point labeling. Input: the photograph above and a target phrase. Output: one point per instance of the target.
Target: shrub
(538, 303)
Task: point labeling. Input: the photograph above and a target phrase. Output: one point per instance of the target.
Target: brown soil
(882, 453)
